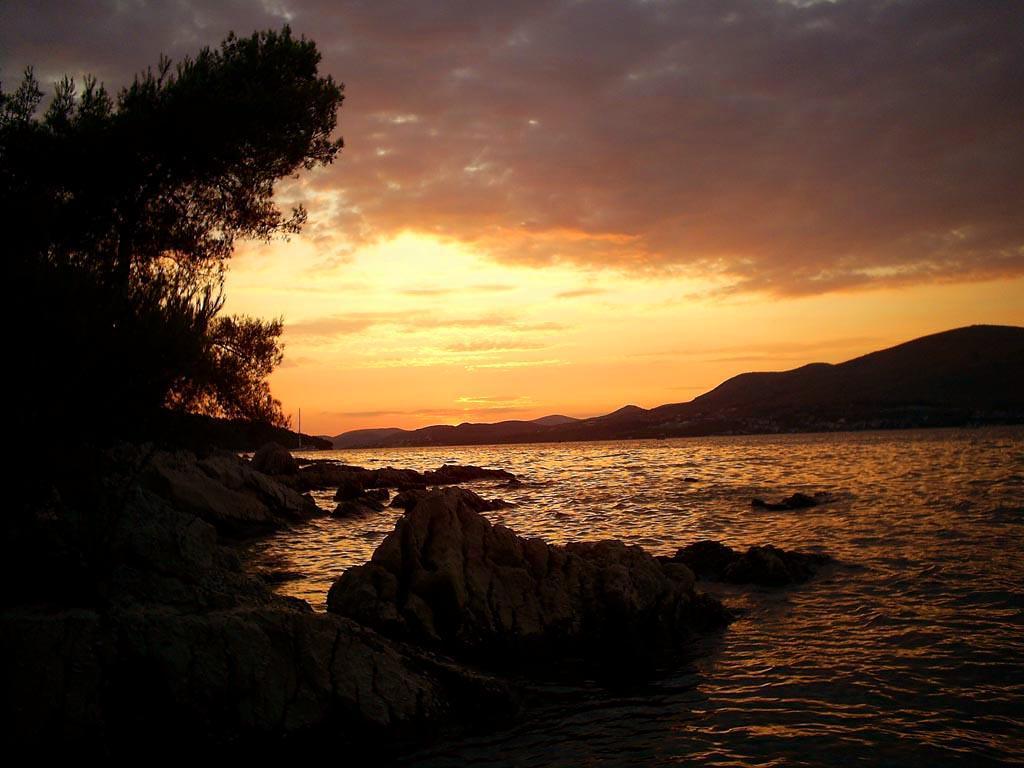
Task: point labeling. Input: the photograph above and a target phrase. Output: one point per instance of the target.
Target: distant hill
(551, 421)
(444, 434)
(972, 375)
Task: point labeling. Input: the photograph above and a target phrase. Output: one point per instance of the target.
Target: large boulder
(446, 577)
(765, 565)
(226, 492)
(274, 459)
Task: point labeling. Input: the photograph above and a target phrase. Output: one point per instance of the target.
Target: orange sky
(554, 206)
(414, 331)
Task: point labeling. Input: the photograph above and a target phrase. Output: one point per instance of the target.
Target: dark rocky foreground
(126, 622)
(130, 623)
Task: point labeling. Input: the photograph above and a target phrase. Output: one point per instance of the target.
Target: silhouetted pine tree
(120, 214)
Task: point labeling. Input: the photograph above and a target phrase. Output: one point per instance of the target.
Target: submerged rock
(765, 565)
(448, 578)
(274, 459)
(796, 501)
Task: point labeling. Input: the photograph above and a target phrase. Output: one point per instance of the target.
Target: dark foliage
(120, 215)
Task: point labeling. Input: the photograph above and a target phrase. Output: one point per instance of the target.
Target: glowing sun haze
(564, 207)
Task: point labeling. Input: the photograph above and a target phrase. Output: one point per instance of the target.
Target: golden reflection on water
(909, 649)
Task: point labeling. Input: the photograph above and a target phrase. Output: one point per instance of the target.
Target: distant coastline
(966, 377)
(1018, 422)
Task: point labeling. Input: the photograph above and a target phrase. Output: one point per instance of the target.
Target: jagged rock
(274, 459)
(765, 565)
(226, 492)
(796, 501)
(448, 578)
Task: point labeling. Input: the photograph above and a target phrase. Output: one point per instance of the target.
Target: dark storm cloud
(794, 147)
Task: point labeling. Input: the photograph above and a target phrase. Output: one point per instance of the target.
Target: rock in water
(325, 474)
(407, 500)
(707, 559)
(349, 487)
(796, 501)
(448, 578)
(363, 506)
(453, 474)
(378, 494)
(274, 459)
(765, 565)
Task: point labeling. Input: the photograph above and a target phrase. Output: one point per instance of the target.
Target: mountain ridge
(956, 377)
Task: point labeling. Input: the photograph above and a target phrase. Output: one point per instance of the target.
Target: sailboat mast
(300, 429)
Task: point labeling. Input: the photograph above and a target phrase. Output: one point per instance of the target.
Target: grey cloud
(788, 147)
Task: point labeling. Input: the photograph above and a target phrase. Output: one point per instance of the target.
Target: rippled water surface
(909, 651)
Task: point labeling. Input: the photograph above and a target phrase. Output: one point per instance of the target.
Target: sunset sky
(564, 207)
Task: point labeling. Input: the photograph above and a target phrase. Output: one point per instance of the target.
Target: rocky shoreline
(127, 619)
